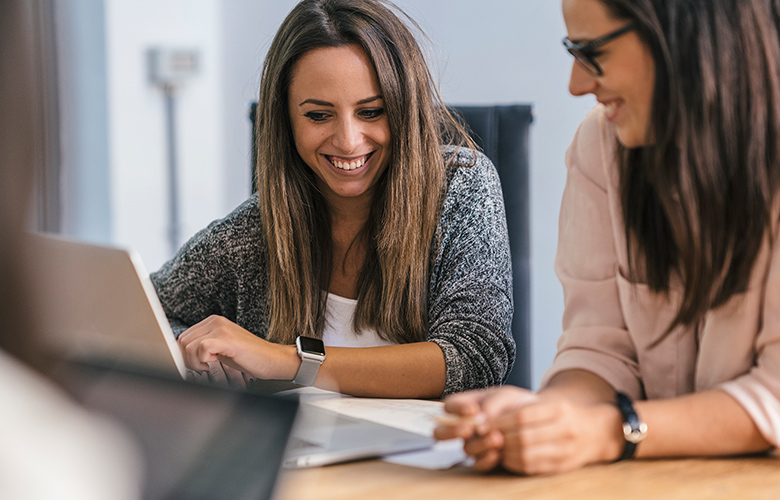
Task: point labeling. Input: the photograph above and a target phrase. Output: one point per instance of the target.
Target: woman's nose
(581, 81)
(348, 135)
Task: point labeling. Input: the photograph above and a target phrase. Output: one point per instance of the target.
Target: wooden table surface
(684, 479)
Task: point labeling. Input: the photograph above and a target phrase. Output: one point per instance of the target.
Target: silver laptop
(99, 304)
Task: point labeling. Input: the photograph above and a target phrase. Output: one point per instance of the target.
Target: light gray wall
(80, 32)
(488, 52)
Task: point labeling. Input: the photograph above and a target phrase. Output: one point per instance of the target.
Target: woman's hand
(472, 413)
(552, 435)
(219, 339)
(532, 434)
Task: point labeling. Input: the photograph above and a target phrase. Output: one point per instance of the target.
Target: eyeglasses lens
(588, 63)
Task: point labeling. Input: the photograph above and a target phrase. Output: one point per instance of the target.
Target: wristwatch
(312, 354)
(634, 430)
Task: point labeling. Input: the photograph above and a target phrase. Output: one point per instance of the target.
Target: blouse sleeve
(595, 337)
(757, 389)
(470, 310)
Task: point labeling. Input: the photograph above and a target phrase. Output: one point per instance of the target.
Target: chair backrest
(502, 132)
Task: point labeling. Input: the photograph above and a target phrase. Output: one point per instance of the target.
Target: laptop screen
(198, 441)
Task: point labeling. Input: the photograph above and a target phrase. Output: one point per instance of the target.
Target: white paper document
(443, 455)
(413, 415)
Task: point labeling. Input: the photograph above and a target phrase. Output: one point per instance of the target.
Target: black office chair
(502, 132)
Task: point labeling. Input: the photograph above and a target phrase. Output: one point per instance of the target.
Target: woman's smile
(348, 164)
(612, 109)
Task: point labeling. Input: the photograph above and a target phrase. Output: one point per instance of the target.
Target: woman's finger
(452, 426)
(505, 399)
(479, 445)
(487, 461)
(465, 403)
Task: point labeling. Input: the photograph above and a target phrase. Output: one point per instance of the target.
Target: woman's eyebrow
(369, 99)
(317, 102)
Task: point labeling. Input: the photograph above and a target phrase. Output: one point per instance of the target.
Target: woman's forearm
(414, 370)
(579, 386)
(710, 423)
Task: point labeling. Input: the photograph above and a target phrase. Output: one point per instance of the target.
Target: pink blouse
(615, 328)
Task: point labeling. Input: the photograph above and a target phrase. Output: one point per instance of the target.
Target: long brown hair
(698, 202)
(392, 285)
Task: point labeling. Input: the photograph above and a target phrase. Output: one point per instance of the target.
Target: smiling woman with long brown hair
(377, 250)
(668, 247)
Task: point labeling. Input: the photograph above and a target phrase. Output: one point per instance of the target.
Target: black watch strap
(634, 430)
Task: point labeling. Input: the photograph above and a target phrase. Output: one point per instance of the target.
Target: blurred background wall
(114, 185)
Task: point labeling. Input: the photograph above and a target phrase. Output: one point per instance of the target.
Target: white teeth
(343, 165)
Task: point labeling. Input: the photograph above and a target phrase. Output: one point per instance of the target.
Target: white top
(338, 331)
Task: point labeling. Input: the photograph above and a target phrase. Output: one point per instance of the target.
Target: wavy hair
(392, 285)
(697, 202)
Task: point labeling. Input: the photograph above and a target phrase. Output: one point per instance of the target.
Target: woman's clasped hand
(529, 433)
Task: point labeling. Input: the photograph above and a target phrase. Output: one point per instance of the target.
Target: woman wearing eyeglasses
(668, 247)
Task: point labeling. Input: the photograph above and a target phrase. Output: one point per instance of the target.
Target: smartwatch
(312, 354)
(634, 430)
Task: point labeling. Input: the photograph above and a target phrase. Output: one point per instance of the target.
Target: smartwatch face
(314, 346)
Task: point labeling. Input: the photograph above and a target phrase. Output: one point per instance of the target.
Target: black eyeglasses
(585, 53)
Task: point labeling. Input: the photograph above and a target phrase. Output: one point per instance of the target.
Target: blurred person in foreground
(51, 447)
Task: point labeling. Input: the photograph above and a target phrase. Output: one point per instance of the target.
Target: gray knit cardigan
(221, 270)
